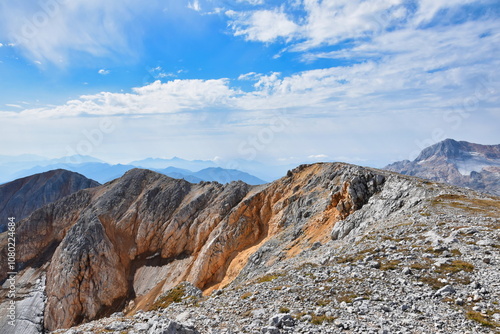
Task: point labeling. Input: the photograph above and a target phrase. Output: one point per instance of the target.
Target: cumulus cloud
(311, 24)
(322, 22)
(262, 25)
(157, 98)
(103, 72)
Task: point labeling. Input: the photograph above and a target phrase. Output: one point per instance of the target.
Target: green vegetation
(470, 205)
(174, 295)
(307, 265)
(346, 296)
(455, 252)
(389, 265)
(246, 295)
(419, 266)
(268, 278)
(323, 302)
(478, 317)
(433, 282)
(319, 319)
(284, 309)
(455, 266)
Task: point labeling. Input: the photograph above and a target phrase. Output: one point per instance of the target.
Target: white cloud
(1, 45)
(326, 23)
(427, 9)
(195, 5)
(14, 106)
(50, 31)
(323, 22)
(318, 156)
(163, 75)
(262, 25)
(157, 98)
(103, 71)
(248, 76)
(252, 2)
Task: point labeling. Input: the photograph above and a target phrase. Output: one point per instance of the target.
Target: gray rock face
(28, 311)
(397, 197)
(170, 327)
(459, 163)
(21, 197)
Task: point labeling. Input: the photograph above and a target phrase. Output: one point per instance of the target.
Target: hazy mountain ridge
(104, 172)
(125, 244)
(459, 163)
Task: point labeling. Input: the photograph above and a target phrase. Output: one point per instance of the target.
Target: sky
(281, 82)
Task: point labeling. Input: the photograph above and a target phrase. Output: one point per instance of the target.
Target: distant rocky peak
(451, 149)
(448, 148)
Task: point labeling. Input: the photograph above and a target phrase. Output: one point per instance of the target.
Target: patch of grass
(433, 251)
(246, 295)
(268, 278)
(470, 205)
(284, 309)
(174, 295)
(323, 302)
(455, 252)
(419, 266)
(433, 282)
(247, 314)
(478, 317)
(319, 319)
(349, 258)
(455, 266)
(346, 296)
(436, 283)
(396, 240)
(307, 265)
(389, 265)
(298, 315)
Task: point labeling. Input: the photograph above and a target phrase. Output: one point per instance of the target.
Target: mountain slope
(124, 245)
(21, 197)
(459, 163)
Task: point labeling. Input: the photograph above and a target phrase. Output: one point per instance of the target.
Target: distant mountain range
(96, 169)
(21, 197)
(459, 163)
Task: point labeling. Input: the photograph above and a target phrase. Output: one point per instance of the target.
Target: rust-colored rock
(137, 236)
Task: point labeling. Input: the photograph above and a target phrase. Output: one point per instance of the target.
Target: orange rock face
(135, 237)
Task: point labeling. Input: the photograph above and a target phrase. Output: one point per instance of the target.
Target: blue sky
(367, 82)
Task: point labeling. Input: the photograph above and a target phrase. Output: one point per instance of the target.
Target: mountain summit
(456, 162)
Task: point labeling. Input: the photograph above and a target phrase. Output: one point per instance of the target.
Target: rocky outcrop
(461, 163)
(398, 255)
(126, 242)
(21, 197)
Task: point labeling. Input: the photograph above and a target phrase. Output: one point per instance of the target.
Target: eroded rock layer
(120, 245)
